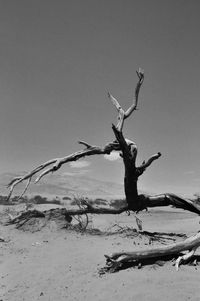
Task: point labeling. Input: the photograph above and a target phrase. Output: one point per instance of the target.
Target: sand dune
(63, 265)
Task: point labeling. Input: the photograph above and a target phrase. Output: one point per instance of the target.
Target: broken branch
(185, 257)
(147, 163)
(118, 259)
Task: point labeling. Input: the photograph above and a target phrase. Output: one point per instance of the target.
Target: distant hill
(65, 185)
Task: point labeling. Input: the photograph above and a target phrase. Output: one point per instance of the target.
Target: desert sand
(54, 264)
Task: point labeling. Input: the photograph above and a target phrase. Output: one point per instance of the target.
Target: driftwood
(116, 261)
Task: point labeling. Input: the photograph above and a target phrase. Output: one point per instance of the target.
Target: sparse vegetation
(37, 199)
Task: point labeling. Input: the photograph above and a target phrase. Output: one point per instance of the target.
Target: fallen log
(116, 261)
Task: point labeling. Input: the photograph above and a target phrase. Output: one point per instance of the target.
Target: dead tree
(134, 202)
(128, 151)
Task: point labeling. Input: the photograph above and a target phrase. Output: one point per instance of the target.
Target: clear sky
(59, 58)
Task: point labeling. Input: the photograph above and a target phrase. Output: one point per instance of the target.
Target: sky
(58, 60)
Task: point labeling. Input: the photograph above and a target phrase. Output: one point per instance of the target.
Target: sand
(61, 265)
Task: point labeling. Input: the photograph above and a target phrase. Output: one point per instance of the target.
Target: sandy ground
(63, 265)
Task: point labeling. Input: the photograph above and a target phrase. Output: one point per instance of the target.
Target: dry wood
(122, 115)
(116, 260)
(63, 211)
(58, 162)
(185, 257)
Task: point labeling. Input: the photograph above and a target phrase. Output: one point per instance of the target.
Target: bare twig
(85, 144)
(25, 189)
(122, 115)
(115, 102)
(133, 107)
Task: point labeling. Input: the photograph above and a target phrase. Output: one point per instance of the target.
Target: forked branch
(56, 163)
(122, 115)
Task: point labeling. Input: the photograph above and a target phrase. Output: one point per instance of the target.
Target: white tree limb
(185, 257)
(116, 260)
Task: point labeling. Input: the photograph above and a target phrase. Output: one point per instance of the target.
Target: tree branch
(63, 211)
(116, 260)
(141, 168)
(133, 107)
(122, 115)
(115, 102)
(85, 144)
(185, 257)
(187, 244)
(124, 146)
(168, 199)
(58, 162)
